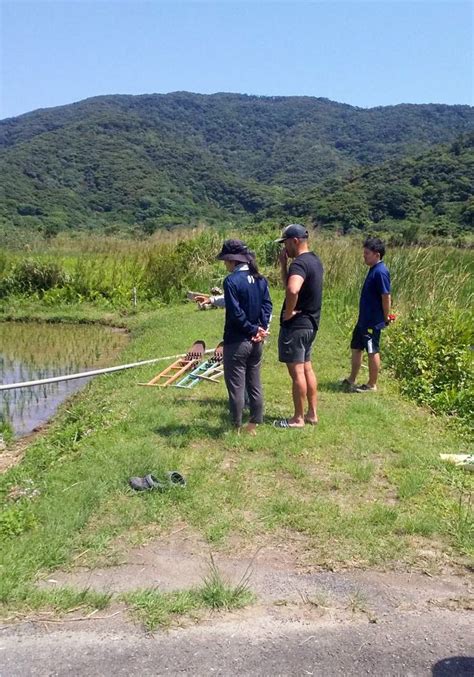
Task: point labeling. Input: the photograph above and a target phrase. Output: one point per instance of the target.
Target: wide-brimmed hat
(293, 230)
(234, 250)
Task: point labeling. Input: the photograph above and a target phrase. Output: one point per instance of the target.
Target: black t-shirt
(310, 296)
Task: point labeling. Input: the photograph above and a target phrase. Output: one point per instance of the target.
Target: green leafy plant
(15, 520)
(430, 355)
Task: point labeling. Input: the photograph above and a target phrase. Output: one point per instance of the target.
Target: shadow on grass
(181, 433)
(332, 387)
(214, 402)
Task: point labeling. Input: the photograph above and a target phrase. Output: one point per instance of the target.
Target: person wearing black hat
(299, 322)
(248, 310)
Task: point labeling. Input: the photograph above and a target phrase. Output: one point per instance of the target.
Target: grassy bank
(364, 488)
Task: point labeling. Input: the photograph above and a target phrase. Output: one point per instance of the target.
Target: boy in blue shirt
(374, 315)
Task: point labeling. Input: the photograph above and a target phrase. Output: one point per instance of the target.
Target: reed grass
(105, 271)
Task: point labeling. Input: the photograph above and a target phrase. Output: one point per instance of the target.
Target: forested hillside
(427, 194)
(138, 163)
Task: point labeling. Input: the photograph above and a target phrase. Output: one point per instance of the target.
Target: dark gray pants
(242, 363)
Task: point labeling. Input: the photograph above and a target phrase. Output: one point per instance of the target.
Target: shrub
(431, 358)
(30, 276)
(15, 520)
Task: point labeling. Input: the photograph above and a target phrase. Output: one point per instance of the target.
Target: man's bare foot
(311, 420)
(250, 429)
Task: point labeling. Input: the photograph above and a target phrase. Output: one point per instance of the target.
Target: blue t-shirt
(376, 283)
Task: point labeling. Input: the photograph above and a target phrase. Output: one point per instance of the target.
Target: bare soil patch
(276, 575)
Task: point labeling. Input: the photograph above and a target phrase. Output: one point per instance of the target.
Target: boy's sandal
(347, 385)
(365, 389)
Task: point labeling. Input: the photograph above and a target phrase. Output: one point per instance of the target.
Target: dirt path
(276, 575)
(304, 622)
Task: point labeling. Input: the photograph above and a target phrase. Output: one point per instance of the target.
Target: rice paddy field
(36, 351)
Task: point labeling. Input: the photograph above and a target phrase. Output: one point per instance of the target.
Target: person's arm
(234, 311)
(383, 287)
(386, 305)
(283, 260)
(293, 286)
(267, 307)
(265, 316)
(217, 301)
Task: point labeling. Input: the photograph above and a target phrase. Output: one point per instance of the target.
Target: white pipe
(95, 372)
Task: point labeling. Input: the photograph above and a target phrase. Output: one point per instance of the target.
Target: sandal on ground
(348, 385)
(146, 483)
(284, 423)
(366, 389)
(174, 477)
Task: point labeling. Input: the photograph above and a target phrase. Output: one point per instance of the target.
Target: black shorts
(366, 339)
(294, 345)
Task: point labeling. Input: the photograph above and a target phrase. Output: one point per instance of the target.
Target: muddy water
(30, 351)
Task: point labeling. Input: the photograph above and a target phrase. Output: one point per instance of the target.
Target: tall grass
(106, 270)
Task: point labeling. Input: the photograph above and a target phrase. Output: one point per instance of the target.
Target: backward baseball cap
(293, 230)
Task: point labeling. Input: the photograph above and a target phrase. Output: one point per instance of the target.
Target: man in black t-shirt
(299, 322)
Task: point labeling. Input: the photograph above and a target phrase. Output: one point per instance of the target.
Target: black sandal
(146, 483)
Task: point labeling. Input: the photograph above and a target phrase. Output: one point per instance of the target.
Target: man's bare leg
(299, 391)
(356, 363)
(311, 393)
(374, 368)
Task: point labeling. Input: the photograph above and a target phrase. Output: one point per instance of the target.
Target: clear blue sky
(362, 53)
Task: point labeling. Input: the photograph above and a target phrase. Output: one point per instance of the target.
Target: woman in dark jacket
(248, 310)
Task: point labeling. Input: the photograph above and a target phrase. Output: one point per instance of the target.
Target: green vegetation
(56, 602)
(124, 164)
(412, 199)
(151, 607)
(158, 609)
(366, 487)
(429, 346)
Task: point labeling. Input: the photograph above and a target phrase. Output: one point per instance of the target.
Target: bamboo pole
(94, 372)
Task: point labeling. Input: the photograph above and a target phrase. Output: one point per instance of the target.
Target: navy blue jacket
(247, 305)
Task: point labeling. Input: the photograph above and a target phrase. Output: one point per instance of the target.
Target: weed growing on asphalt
(154, 608)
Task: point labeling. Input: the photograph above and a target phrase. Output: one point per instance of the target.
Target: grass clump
(56, 602)
(216, 593)
(15, 520)
(154, 608)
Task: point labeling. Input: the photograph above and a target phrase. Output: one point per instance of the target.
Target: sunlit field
(366, 487)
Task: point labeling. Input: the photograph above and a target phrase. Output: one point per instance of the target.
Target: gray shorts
(294, 345)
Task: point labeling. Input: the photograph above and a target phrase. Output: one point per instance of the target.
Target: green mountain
(142, 162)
(432, 193)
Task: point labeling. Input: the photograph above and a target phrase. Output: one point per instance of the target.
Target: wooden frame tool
(210, 370)
(176, 370)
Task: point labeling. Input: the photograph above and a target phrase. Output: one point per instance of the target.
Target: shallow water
(30, 351)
